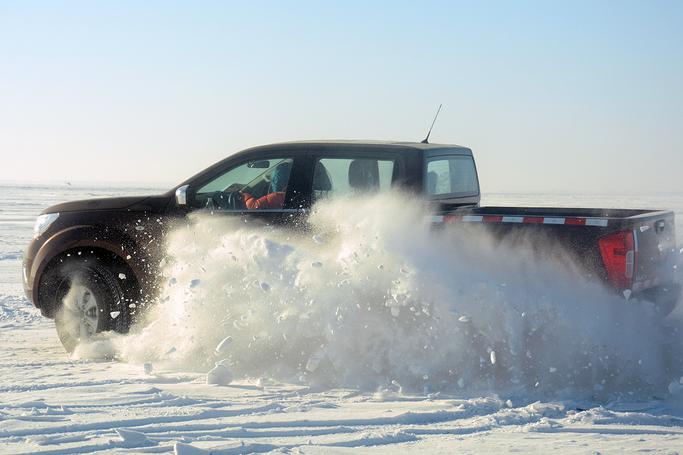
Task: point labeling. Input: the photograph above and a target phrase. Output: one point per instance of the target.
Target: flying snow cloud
(370, 296)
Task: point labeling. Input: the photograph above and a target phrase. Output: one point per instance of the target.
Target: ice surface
(187, 449)
(10, 256)
(51, 403)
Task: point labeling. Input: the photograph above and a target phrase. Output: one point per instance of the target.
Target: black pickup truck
(92, 263)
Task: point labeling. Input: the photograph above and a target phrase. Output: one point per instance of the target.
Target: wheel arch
(83, 241)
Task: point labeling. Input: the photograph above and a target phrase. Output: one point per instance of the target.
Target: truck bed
(640, 263)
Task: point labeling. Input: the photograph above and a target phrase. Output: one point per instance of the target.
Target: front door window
(254, 185)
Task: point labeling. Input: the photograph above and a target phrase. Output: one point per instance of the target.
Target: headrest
(321, 179)
(364, 174)
(432, 179)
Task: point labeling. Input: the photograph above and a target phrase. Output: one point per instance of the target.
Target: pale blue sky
(551, 96)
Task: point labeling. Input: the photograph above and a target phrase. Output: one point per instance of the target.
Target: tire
(88, 299)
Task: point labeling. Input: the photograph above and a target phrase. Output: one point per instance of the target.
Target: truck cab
(318, 170)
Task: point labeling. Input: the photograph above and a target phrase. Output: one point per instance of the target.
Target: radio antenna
(426, 140)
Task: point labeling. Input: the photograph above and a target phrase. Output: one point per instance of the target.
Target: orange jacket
(269, 201)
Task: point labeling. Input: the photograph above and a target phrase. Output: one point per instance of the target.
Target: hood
(132, 203)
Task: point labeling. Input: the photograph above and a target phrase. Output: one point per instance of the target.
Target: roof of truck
(294, 148)
(359, 143)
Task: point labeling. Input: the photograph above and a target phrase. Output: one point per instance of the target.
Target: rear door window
(349, 176)
(452, 176)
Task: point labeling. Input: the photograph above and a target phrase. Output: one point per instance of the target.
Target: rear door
(351, 172)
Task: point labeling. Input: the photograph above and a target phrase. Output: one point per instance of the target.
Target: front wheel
(90, 300)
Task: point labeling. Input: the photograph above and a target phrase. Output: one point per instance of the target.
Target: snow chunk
(114, 314)
(675, 388)
(314, 362)
(223, 344)
(493, 357)
(130, 438)
(122, 276)
(219, 375)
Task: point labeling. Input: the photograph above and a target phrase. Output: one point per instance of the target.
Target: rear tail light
(619, 256)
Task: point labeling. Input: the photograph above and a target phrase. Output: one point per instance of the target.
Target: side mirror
(181, 195)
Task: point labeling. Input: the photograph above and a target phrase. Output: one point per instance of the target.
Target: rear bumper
(665, 297)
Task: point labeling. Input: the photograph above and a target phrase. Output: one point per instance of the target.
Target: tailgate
(655, 246)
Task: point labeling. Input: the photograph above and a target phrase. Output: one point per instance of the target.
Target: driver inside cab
(278, 187)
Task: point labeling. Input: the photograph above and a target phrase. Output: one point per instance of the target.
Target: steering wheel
(230, 200)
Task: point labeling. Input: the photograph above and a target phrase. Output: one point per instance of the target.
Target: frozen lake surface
(50, 403)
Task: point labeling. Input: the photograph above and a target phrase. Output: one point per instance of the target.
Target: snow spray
(370, 296)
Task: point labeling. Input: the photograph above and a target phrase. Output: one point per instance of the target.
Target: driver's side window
(258, 184)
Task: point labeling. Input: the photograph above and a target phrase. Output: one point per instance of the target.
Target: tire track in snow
(158, 432)
(136, 422)
(91, 383)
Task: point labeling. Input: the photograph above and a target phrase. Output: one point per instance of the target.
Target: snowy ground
(52, 404)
